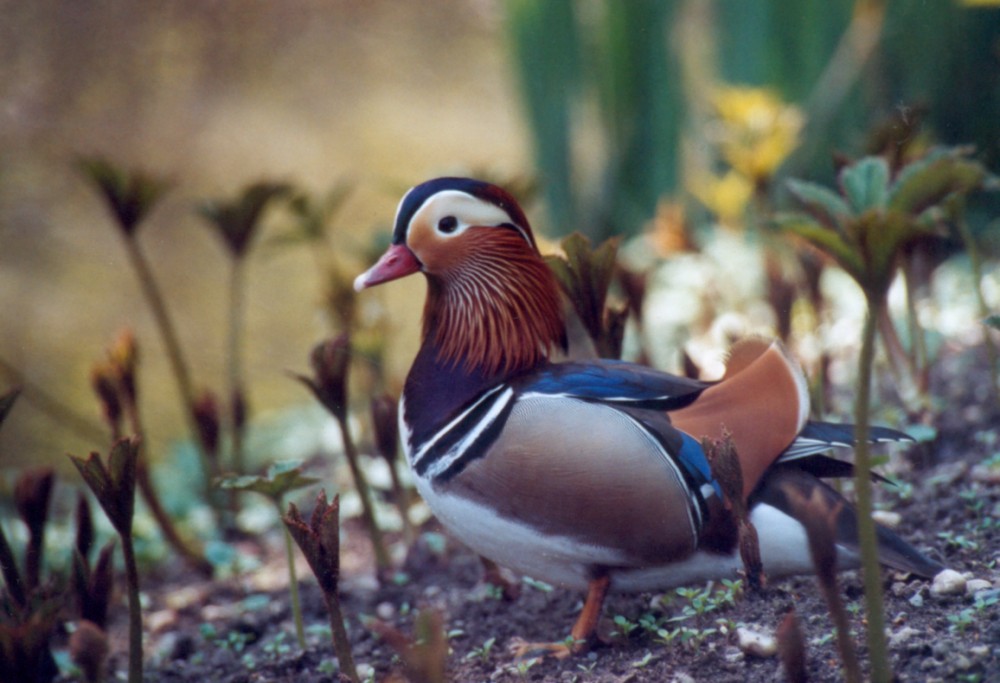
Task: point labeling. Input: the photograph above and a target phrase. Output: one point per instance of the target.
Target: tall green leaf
(866, 183)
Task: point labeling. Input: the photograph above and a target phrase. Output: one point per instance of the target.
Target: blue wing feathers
(616, 382)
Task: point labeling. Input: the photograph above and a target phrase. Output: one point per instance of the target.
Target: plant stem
(361, 484)
(175, 355)
(134, 611)
(235, 352)
(193, 556)
(399, 495)
(867, 539)
(293, 584)
(341, 643)
(842, 625)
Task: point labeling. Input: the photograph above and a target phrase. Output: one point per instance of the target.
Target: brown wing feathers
(762, 400)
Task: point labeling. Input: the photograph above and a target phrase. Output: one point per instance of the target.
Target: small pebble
(732, 654)
(948, 582)
(160, 620)
(962, 663)
(902, 635)
(979, 650)
(756, 643)
(385, 611)
(917, 600)
(682, 678)
(973, 586)
(987, 475)
(887, 518)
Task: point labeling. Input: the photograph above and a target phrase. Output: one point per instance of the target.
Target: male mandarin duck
(592, 475)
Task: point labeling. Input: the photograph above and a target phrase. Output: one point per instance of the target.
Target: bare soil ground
(240, 630)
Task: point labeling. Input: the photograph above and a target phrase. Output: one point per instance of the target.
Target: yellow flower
(756, 131)
(726, 196)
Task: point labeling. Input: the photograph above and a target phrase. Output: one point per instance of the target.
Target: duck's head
(492, 303)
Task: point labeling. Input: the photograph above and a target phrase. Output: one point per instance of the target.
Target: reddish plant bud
(329, 362)
(103, 380)
(792, 649)
(31, 496)
(206, 416)
(89, 648)
(124, 357)
(84, 526)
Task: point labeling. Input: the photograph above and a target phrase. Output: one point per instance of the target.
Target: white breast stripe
(447, 459)
(624, 400)
(427, 445)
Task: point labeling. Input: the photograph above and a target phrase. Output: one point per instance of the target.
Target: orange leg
(584, 630)
(585, 627)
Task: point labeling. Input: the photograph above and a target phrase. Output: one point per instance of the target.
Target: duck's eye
(448, 225)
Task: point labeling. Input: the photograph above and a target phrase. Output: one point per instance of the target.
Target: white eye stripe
(465, 208)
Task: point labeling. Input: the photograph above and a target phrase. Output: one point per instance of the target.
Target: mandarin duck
(592, 475)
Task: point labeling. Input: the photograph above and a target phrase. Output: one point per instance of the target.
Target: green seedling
(482, 653)
(280, 479)
(958, 541)
(623, 627)
(960, 621)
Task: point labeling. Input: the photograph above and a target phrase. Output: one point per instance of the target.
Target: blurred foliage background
(615, 107)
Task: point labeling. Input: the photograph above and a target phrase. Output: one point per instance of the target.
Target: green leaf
(926, 183)
(281, 478)
(882, 236)
(113, 484)
(129, 194)
(826, 240)
(993, 321)
(866, 183)
(237, 220)
(825, 206)
(585, 276)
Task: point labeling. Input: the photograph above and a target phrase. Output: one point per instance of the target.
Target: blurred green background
(611, 105)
